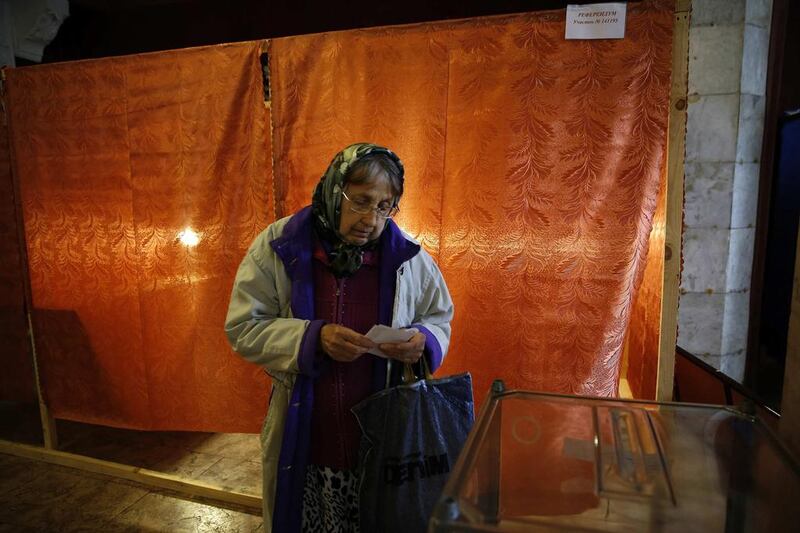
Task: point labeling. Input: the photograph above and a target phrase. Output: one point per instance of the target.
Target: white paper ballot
(596, 21)
(380, 334)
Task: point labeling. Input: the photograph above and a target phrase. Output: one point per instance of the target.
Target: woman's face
(359, 229)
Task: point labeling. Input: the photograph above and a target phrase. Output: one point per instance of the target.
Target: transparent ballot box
(546, 462)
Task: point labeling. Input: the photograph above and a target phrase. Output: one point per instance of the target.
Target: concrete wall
(728, 47)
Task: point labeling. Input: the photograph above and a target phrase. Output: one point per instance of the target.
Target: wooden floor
(229, 460)
(37, 496)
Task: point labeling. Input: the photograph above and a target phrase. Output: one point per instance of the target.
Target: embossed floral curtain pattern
(533, 166)
(114, 158)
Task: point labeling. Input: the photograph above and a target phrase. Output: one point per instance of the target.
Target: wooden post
(48, 422)
(674, 223)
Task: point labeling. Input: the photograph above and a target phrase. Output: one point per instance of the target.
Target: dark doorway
(778, 211)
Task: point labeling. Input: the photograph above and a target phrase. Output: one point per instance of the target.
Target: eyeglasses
(366, 208)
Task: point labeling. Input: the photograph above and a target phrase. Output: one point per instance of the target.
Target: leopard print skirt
(330, 501)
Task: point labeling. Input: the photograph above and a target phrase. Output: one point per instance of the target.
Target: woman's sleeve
(255, 324)
(433, 315)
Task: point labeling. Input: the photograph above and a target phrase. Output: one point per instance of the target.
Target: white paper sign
(380, 334)
(596, 21)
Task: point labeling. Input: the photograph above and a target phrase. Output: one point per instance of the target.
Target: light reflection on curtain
(116, 157)
(533, 166)
(644, 333)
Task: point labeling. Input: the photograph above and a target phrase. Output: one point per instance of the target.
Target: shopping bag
(412, 435)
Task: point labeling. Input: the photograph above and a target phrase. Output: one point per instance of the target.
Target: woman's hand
(407, 352)
(343, 344)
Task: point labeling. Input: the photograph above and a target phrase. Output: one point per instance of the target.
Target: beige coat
(260, 327)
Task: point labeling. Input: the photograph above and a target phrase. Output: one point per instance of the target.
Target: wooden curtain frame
(668, 322)
(673, 249)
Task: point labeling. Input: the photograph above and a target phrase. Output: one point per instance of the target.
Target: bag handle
(409, 376)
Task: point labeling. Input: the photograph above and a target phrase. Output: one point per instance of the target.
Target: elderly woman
(309, 288)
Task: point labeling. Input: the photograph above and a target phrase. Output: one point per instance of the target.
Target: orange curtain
(17, 382)
(644, 332)
(114, 159)
(533, 166)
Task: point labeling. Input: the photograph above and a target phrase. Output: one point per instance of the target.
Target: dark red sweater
(351, 302)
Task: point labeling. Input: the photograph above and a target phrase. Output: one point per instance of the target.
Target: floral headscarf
(345, 258)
